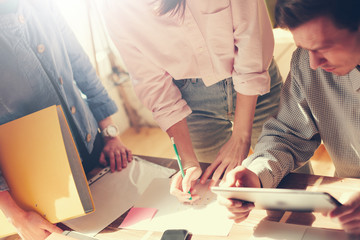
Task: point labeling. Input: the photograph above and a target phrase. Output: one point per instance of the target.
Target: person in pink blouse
(203, 68)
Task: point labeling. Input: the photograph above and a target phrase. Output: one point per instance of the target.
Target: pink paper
(136, 215)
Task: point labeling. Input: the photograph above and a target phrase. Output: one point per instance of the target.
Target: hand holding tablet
(281, 199)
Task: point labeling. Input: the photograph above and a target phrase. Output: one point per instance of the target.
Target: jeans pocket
(182, 83)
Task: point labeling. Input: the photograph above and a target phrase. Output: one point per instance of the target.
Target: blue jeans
(213, 108)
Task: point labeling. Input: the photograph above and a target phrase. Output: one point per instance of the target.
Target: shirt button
(88, 137)
(21, 19)
(61, 80)
(41, 48)
(73, 109)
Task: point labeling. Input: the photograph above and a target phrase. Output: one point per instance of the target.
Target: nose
(316, 60)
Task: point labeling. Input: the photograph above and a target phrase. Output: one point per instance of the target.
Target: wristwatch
(110, 131)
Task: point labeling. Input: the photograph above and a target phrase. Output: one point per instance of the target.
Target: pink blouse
(214, 40)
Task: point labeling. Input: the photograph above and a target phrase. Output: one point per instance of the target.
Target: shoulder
(300, 65)
(300, 58)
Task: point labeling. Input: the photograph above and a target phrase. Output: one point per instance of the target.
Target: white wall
(284, 47)
(76, 14)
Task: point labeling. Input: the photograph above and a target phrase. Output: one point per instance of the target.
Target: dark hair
(172, 6)
(293, 13)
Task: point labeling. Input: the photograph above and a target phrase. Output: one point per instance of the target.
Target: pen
(179, 161)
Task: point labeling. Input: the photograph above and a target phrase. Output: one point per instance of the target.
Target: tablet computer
(281, 199)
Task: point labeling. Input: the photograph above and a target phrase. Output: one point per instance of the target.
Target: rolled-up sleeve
(287, 141)
(152, 84)
(254, 46)
(154, 87)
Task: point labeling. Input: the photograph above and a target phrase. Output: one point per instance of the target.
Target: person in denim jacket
(38, 49)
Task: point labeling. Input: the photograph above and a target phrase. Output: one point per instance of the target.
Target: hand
(180, 186)
(239, 177)
(349, 214)
(116, 152)
(31, 226)
(230, 155)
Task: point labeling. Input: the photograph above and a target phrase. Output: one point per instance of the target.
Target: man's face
(334, 50)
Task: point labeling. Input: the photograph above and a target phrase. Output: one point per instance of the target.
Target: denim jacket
(37, 45)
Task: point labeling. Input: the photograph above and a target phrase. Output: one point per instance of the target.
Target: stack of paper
(115, 193)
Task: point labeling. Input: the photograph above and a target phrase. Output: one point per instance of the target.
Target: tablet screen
(281, 199)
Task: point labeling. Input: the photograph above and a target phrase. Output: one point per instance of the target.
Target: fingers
(191, 175)
(111, 157)
(218, 172)
(348, 214)
(342, 212)
(348, 217)
(221, 169)
(116, 153)
(102, 159)
(129, 156)
(119, 159)
(177, 190)
(231, 178)
(238, 210)
(122, 159)
(52, 228)
(182, 188)
(352, 227)
(218, 168)
(209, 171)
(34, 226)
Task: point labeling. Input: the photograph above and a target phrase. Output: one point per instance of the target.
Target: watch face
(112, 131)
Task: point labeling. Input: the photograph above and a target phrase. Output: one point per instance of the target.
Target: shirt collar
(354, 76)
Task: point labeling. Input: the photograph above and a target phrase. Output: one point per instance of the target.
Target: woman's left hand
(230, 156)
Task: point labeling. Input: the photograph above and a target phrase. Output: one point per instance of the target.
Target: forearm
(181, 135)
(105, 122)
(10, 208)
(244, 117)
(29, 224)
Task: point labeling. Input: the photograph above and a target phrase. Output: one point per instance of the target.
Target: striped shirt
(315, 105)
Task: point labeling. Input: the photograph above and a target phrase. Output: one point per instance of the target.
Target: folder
(42, 167)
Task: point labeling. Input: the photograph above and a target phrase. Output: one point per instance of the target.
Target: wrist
(110, 131)
(10, 208)
(190, 164)
(241, 138)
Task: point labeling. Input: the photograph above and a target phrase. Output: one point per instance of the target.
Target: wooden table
(335, 186)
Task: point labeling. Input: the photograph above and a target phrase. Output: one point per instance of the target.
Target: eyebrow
(315, 49)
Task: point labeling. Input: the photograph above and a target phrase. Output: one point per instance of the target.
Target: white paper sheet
(205, 217)
(267, 230)
(58, 236)
(115, 193)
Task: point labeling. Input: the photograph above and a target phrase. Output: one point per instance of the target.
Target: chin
(341, 72)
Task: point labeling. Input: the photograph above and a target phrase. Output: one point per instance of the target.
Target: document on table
(267, 230)
(204, 217)
(58, 236)
(115, 193)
